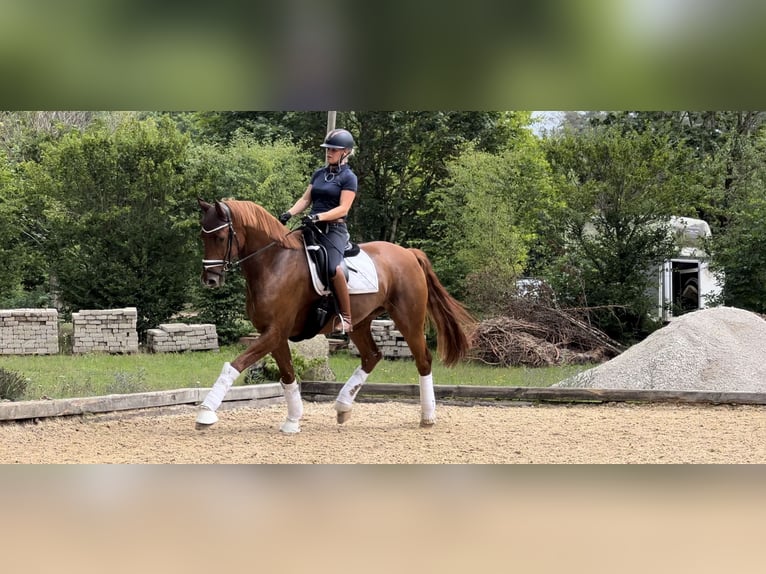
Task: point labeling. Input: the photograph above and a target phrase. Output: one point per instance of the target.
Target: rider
(330, 193)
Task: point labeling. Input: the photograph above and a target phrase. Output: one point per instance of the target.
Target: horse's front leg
(283, 357)
(263, 345)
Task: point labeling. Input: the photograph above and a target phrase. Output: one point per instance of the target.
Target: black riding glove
(285, 217)
(311, 219)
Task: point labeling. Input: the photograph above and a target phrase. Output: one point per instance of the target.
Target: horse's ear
(203, 205)
(219, 209)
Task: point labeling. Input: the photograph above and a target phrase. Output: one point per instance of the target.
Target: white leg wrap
(348, 393)
(294, 402)
(222, 385)
(292, 423)
(427, 399)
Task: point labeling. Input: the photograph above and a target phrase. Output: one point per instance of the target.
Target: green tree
(23, 275)
(273, 175)
(739, 248)
(10, 271)
(620, 188)
(726, 189)
(403, 156)
(22, 133)
(118, 217)
(304, 129)
(487, 221)
(718, 140)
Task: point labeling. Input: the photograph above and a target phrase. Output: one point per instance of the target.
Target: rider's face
(333, 155)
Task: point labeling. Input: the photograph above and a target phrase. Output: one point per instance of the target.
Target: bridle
(226, 264)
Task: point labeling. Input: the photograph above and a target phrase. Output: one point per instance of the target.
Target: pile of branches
(537, 334)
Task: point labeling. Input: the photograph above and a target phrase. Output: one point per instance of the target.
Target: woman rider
(330, 193)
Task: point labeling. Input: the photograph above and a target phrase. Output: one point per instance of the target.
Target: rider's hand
(285, 217)
(311, 219)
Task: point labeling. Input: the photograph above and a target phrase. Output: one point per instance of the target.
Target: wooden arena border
(246, 395)
(538, 394)
(269, 393)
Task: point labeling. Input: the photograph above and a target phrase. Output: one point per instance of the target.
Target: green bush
(12, 385)
(224, 307)
(266, 371)
(118, 216)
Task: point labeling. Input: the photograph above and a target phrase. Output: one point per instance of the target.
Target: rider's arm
(346, 199)
(303, 202)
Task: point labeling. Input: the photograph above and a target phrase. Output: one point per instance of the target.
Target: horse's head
(218, 241)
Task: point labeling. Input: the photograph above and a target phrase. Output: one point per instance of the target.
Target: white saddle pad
(362, 276)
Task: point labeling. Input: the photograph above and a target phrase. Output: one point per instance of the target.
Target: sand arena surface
(389, 433)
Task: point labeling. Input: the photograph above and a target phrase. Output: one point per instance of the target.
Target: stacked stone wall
(29, 332)
(176, 337)
(107, 331)
(390, 342)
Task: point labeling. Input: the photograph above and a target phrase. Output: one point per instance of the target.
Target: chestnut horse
(280, 297)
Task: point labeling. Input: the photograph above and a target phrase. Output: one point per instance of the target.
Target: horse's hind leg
(370, 355)
(410, 325)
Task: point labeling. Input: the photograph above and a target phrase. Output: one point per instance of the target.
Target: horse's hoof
(290, 427)
(343, 411)
(205, 418)
(427, 423)
(343, 407)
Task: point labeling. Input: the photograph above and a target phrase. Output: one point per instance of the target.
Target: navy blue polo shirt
(325, 195)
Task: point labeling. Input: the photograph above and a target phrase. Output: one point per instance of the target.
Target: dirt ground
(389, 433)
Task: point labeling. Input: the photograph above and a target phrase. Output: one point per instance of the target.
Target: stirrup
(346, 326)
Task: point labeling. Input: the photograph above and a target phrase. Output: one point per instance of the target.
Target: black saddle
(326, 306)
(318, 254)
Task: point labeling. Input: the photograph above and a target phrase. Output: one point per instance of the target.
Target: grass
(68, 376)
(404, 371)
(96, 374)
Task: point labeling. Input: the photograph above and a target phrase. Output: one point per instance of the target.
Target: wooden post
(331, 121)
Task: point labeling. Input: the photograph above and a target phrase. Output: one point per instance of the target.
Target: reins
(238, 262)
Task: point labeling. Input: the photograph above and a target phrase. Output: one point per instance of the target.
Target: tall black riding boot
(344, 301)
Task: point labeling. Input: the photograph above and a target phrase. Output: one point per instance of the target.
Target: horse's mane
(249, 214)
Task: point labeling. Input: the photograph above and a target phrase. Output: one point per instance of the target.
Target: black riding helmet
(339, 139)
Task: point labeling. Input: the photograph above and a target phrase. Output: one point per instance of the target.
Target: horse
(280, 297)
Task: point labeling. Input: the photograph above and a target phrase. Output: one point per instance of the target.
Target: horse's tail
(453, 322)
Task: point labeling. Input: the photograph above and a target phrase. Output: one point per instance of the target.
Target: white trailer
(685, 281)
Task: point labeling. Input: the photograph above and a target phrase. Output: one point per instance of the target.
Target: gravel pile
(717, 349)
